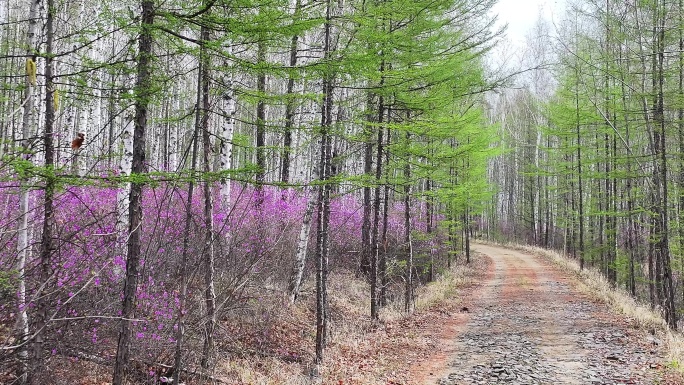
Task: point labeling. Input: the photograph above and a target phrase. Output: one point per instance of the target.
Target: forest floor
(510, 316)
(529, 323)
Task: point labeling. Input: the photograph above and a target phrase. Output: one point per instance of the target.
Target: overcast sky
(521, 15)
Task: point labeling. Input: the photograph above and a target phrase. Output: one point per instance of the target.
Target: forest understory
(274, 343)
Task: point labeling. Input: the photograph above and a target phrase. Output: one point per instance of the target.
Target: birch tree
(22, 324)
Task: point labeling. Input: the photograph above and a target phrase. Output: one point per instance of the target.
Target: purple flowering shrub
(254, 242)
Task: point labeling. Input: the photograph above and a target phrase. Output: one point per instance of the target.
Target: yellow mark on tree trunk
(31, 71)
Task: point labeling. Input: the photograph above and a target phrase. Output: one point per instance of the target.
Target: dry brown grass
(359, 351)
(592, 283)
(447, 286)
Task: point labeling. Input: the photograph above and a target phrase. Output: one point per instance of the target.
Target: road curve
(529, 325)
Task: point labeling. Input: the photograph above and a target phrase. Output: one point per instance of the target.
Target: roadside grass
(359, 352)
(592, 283)
(447, 285)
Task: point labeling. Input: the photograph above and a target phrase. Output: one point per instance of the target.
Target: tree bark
(183, 271)
(382, 264)
(375, 251)
(22, 324)
(429, 203)
(302, 246)
(46, 247)
(290, 104)
(580, 192)
(680, 125)
(408, 240)
(143, 94)
(261, 124)
(662, 250)
(227, 130)
(366, 241)
(208, 250)
(322, 238)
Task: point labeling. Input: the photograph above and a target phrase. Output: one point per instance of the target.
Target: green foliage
(8, 285)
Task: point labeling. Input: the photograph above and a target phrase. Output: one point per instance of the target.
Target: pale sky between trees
(521, 15)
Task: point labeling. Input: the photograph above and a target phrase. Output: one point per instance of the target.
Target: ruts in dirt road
(529, 325)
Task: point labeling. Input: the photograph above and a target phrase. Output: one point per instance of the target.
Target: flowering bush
(254, 241)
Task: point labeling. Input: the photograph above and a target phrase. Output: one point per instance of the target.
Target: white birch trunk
(302, 244)
(227, 130)
(3, 14)
(68, 132)
(173, 132)
(38, 112)
(79, 166)
(95, 127)
(125, 166)
(22, 322)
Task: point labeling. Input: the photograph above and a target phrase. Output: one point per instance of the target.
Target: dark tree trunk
(376, 212)
(261, 125)
(208, 249)
(680, 127)
(428, 224)
(323, 216)
(143, 91)
(580, 195)
(466, 234)
(183, 271)
(662, 251)
(408, 294)
(290, 104)
(367, 250)
(46, 246)
(631, 243)
(382, 264)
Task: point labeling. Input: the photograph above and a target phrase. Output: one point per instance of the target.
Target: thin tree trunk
(183, 294)
(22, 325)
(610, 183)
(143, 93)
(660, 176)
(323, 216)
(227, 130)
(208, 250)
(123, 193)
(466, 234)
(408, 295)
(46, 247)
(547, 203)
(302, 246)
(261, 124)
(428, 225)
(631, 244)
(580, 194)
(382, 265)
(680, 126)
(173, 133)
(290, 105)
(375, 309)
(366, 239)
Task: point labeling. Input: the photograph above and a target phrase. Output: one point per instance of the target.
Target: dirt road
(528, 325)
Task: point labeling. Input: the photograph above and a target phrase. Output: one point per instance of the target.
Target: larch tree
(143, 93)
